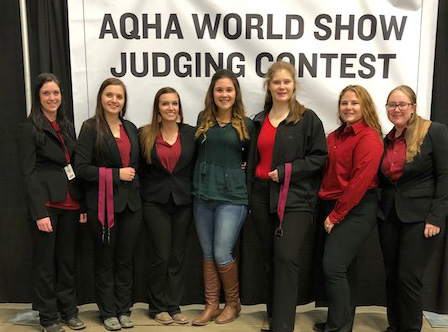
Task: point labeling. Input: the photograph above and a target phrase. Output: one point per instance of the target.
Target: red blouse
(168, 154)
(124, 145)
(393, 162)
(265, 147)
(354, 155)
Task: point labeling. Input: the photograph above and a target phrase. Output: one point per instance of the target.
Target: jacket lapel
(113, 147)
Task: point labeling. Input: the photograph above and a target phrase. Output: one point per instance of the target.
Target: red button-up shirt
(354, 155)
(393, 162)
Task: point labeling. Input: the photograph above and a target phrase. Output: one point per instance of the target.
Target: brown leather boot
(229, 278)
(212, 289)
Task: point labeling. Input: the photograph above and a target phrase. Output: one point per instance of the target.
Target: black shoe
(389, 329)
(319, 327)
(53, 328)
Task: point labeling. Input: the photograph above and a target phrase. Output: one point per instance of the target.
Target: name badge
(69, 172)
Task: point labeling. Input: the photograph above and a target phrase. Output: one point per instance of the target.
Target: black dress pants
(168, 226)
(54, 267)
(406, 253)
(114, 257)
(280, 256)
(341, 248)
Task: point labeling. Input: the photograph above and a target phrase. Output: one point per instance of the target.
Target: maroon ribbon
(106, 197)
(282, 200)
(284, 192)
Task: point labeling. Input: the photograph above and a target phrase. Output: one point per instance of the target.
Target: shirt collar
(355, 128)
(391, 135)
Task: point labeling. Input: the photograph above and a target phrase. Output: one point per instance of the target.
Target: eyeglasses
(401, 106)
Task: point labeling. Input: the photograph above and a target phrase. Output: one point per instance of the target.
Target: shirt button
(392, 164)
(334, 147)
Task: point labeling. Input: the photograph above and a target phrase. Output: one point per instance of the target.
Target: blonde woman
(349, 201)
(414, 205)
(220, 192)
(286, 133)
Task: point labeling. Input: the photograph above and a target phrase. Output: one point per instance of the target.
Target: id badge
(69, 172)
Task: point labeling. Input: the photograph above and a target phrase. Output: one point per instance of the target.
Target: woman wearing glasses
(414, 205)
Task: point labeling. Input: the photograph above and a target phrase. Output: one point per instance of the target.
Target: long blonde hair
(368, 109)
(296, 108)
(149, 133)
(208, 115)
(416, 128)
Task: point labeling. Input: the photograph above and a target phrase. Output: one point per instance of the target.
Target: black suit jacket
(88, 162)
(157, 184)
(421, 194)
(43, 168)
(303, 145)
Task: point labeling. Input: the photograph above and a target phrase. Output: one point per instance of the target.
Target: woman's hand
(431, 230)
(83, 218)
(328, 225)
(44, 225)
(273, 175)
(127, 174)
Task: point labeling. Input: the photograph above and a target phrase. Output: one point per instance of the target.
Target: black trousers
(168, 226)
(280, 256)
(340, 251)
(114, 261)
(406, 253)
(54, 267)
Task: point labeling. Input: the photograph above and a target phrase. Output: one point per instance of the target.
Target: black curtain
(49, 45)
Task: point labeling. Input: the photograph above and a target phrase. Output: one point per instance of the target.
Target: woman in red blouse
(414, 205)
(107, 155)
(349, 201)
(47, 142)
(168, 155)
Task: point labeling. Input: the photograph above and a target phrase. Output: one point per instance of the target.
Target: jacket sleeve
(439, 207)
(85, 168)
(33, 186)
(316, 152)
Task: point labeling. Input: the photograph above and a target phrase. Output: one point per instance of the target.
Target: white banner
(151, 44)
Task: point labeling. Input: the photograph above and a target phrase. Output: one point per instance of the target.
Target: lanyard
(282, 200)
(106, 200)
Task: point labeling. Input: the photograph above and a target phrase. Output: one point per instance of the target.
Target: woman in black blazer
(107, 157)
(168, 156)
(288, 150)
(46, 143)
(414, 205)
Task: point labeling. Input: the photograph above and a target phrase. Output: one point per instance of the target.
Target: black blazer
(304, 146)
(157, 184)
(88, 162)
(43, 168)
(421, 194)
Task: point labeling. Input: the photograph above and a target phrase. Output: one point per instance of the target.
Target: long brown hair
(416, 128)
(368, 109)
(208, 115)
(296, 108)
(99, 117)
(150, 132)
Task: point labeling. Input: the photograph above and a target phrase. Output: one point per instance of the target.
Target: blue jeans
(218, 225)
